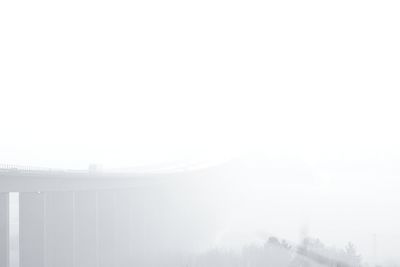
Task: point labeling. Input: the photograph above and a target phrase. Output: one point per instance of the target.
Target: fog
(212, 133)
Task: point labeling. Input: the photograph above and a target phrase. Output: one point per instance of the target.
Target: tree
(351, 255)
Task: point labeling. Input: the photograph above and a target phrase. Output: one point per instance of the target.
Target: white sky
(125, 83)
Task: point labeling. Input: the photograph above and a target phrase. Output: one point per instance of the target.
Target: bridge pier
(123, 229)
(86, 229)
(83, 228)
(59, 229)
(106, 202)
(4, 230)
(32, 229)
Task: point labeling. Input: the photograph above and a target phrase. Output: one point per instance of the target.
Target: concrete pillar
(59, 229)
(86, 229)
(106, 228)
(32, 229)
(141, 227)
(4, 229)
(148, 226)
(123, 230)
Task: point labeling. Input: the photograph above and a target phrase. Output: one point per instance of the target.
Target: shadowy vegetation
(281, 253)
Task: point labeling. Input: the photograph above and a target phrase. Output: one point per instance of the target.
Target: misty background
(298, 100)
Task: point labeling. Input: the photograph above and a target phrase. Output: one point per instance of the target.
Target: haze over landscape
(290, 108)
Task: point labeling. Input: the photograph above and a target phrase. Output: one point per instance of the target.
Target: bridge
(93, 218)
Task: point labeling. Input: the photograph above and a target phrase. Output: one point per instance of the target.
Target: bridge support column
(86, 229)
(4, 230)
(59, 229)
(106, 228)
(124, 253)
(32, 229)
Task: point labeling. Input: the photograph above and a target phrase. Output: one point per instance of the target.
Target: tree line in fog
(280, 253)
